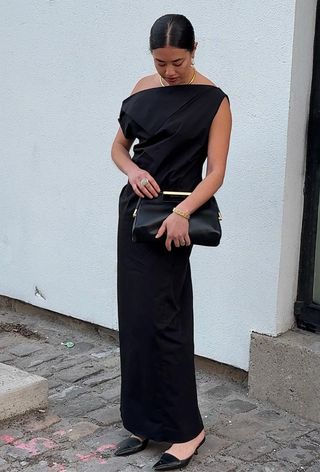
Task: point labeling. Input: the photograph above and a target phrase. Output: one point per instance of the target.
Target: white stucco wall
(66, 67)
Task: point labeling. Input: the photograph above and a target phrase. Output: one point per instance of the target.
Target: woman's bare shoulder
(149, 81)
(202, 79)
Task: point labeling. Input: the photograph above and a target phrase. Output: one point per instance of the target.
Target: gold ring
(144, 182)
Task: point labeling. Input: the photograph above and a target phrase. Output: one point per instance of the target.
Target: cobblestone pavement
(79, 429)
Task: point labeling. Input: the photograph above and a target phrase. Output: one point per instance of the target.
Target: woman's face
(173, 64)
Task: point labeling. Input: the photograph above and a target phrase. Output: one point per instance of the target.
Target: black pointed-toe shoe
(169, 462)
(130, 445)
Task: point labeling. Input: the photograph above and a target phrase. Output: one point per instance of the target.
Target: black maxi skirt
(156, 333)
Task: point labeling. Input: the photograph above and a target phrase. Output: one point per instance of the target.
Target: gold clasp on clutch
(167, 192)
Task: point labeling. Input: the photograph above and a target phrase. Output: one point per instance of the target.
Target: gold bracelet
(183, 213)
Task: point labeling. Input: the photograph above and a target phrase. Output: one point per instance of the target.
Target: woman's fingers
(168, 243)
(143, 184)
(180, 242)
(161, 231)
(148, 186)
(137, 191)
(146, 190)
(187, 240)
(154, 184)
(176, 242)
(180, 237)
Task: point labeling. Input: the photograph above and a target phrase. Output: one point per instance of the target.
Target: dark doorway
(307, 306)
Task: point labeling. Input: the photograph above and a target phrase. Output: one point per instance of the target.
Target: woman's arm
(176, 226)
(120, 153)
(121, 157)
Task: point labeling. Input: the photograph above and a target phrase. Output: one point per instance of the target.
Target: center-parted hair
(172, 30)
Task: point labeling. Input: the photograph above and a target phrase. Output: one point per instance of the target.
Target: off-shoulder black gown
(155, 300)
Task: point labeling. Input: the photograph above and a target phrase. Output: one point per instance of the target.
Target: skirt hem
(161, 437)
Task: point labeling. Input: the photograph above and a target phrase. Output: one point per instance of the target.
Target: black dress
(155, 301)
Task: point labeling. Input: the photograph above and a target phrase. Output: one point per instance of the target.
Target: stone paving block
(25, 349)
(114, 464)
(220, 391)
(41, 372)
(40, 424)
(22, 449)
(100, 378)
(239, 406)
(67, 454)
(205, 384)
(111, 383)
(5, 467)
(214, 444)
(68, 361)
(270, 416)
(8, 435)
(219, 466)
(54, 383)
(101, 354)
(6, 357)
(251, 450)
(210, 419)
(81, 430)
(239, 428)
(106, 416)
(269, 467)
(111, 362)
(7, 340)
(106, 466)
(106, 440)
(67, 393)
(79, 407)
(81, 347)
(285, 431)
(11, 452)
(130, 468)
(313, 436)
(299, 452)
(314, 468)
(44, 466)
(218, 463)
(76, 373)
(111, 391)
(43, 359)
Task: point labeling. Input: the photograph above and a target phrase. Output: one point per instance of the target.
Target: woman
(180, 119)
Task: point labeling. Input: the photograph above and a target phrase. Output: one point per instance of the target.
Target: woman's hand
(177, 229)
(150, 190)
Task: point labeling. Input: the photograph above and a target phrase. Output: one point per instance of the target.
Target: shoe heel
(196, 451)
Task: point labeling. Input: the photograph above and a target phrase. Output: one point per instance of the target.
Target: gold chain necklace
(186, 83)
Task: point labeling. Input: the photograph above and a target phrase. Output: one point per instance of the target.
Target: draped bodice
(172, 126)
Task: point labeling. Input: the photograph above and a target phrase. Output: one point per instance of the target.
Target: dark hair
(172, 30)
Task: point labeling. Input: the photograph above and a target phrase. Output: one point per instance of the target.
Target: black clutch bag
(204, 223)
